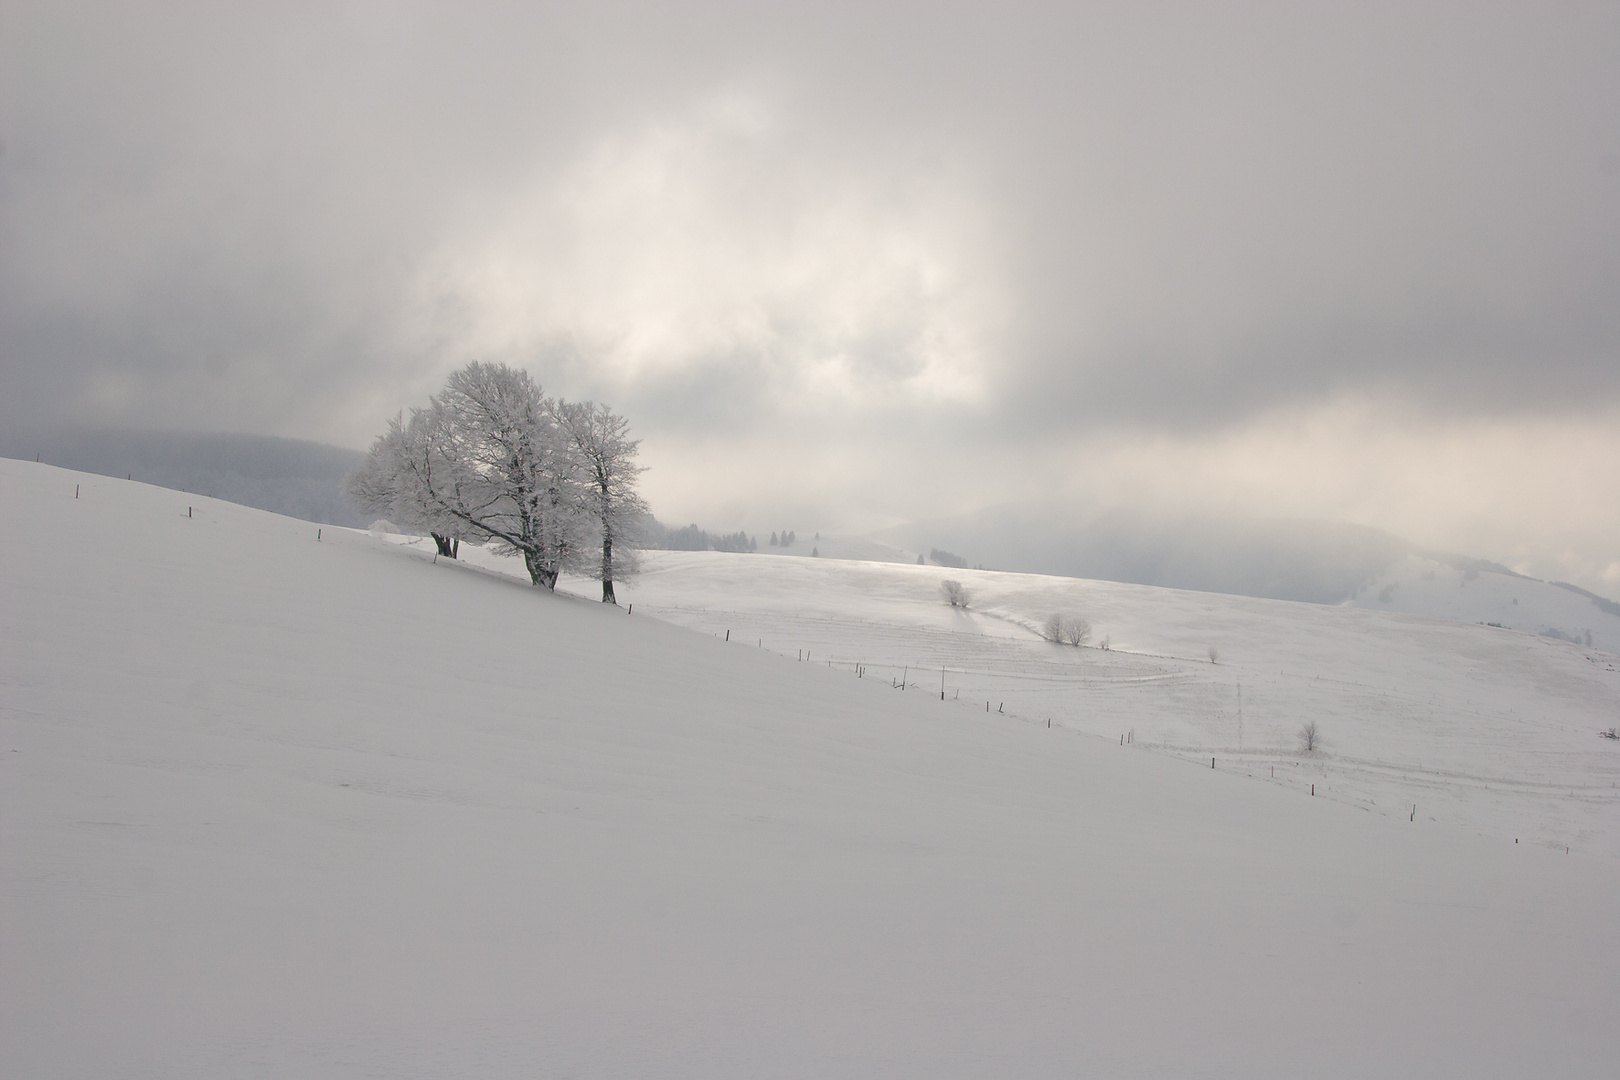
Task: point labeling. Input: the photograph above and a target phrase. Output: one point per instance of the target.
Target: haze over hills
(294, 477)
(1315, 561)
(1312, 561)
(1318, 562)
(335, 807)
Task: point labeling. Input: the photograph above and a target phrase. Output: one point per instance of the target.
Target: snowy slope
(273, 806)
(1471, 725)
(1424, 586)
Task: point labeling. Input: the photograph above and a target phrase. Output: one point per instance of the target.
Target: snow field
(272, 806)
(1481, 727)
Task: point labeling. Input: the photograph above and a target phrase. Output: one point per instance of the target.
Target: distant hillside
(286, 476)
(1473, 590)
(1316, 561)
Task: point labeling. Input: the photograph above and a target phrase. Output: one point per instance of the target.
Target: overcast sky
(847, 265)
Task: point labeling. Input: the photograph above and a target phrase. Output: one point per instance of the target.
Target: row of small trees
(1065, 630)
(493, 460)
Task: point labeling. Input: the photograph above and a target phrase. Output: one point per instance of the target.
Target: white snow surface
(278, 806)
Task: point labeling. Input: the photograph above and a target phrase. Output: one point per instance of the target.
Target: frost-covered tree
(953, 593)
(386, 483)
(607, 461)
(488, 461)
(1310, 737)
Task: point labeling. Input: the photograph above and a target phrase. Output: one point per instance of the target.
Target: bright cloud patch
(715, 238)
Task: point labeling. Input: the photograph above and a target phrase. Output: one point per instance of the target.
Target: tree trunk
(447, 547)
(538, 572)
(607, 572)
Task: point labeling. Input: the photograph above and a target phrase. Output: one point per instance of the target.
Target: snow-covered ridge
(279, 805)
(1426, 585)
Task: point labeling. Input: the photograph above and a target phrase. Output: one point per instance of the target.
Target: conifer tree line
(493, 460)
(692, 538)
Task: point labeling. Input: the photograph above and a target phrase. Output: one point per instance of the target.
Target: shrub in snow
(953, 593)
(1062, 630)
(1310, 737)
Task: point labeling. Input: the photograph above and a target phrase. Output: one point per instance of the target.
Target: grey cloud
(1305, 197)
(1161, 216)
(1459, 362)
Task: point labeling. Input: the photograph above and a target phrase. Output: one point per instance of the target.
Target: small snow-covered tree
(1075, 632)
(607, 458)
(953, 593)
(1052, 629)
(1310, 737)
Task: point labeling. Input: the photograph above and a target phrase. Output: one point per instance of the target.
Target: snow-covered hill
(1424, 585)
(279, 806)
